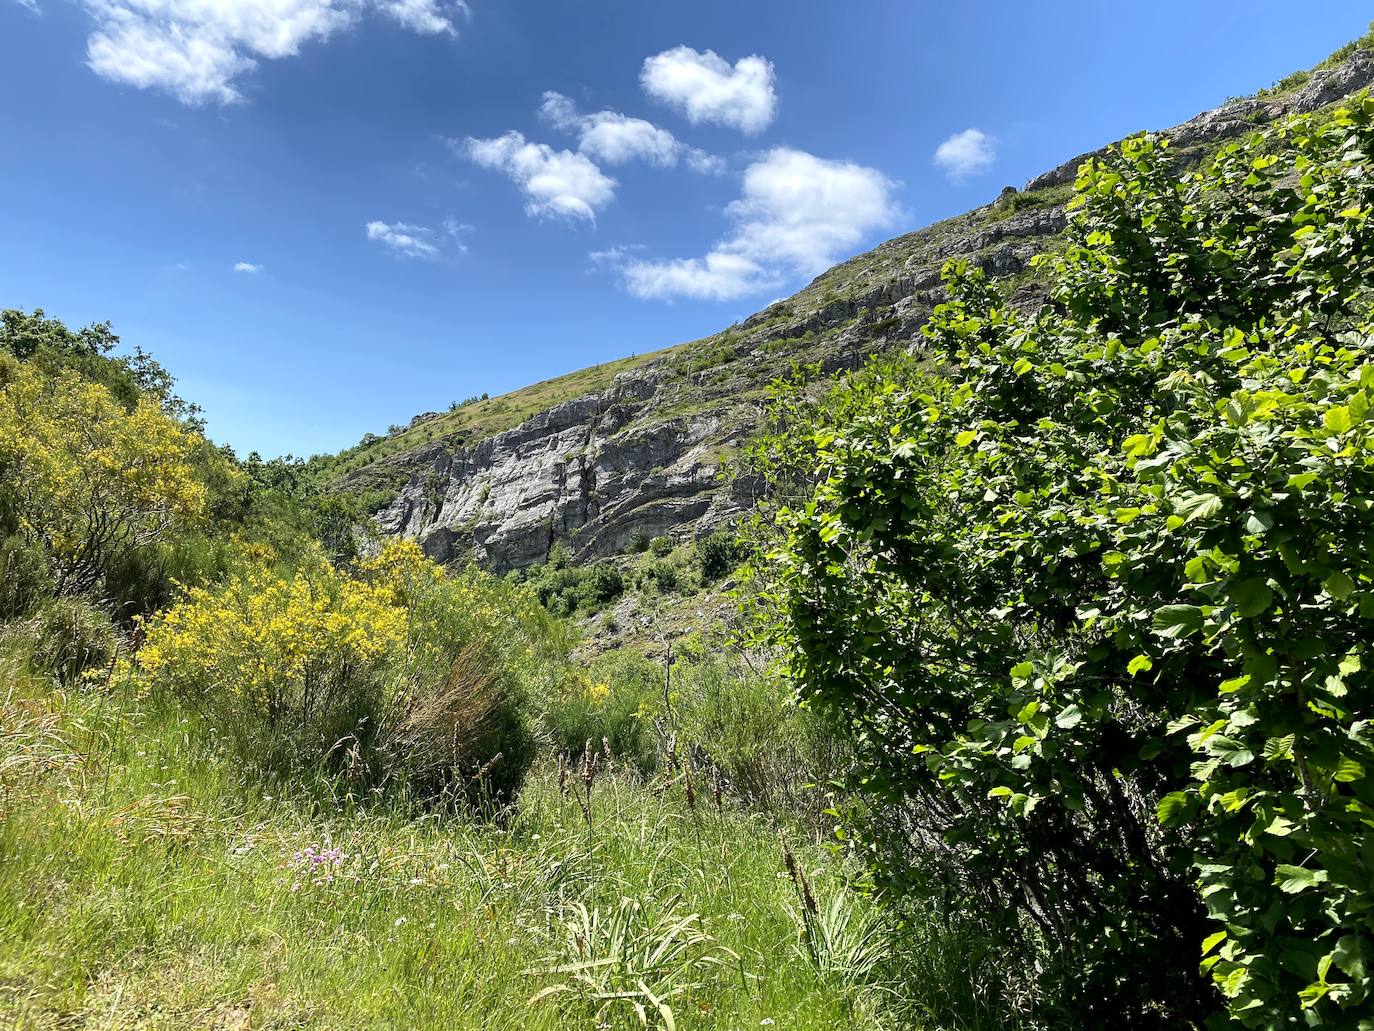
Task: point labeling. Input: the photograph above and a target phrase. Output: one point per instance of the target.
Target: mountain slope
(634, 447)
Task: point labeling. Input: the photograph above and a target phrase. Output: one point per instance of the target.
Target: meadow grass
(147, 881)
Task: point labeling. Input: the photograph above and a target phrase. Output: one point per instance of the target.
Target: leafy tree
(88, 479)
(1093, 587)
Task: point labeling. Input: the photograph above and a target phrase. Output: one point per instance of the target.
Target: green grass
(146, 882)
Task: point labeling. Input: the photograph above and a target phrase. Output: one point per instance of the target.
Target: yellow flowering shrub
(398, 671)
(88, 478)
(278, 645)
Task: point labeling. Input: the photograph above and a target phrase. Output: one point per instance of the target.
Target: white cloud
(30, 5)
(700, 161)
(403, 238)
(966, 153)
(556, 183)
(614, 256)
(614, 139)
(196, 49)
(706, 89)
(247, 266)
(456, 231)
(427, 17)
(796, 216)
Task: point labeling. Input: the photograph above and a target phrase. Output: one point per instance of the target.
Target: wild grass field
(147, 881)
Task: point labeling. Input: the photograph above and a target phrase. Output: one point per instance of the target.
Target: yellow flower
(598, 693)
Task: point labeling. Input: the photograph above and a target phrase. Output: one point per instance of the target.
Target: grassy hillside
(146, 882)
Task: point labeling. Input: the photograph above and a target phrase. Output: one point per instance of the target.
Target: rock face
(590, 472)
(646, 455)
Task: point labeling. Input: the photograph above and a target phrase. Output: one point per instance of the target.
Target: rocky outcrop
(590, 472)
(646, 455)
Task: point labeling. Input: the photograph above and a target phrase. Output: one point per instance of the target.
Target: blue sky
(325, 216)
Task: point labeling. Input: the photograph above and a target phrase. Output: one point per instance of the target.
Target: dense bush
(661, 576)
(563, 589)
(87, 478)
(601, 583)
(1096, 592)
(401, 676)
(71, 636)
(661, 546)
(24, 578)
(717, 554)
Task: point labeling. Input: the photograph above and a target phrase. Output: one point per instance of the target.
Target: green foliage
(564, 589)
(25, 580)
(615, 701)
(638, 543)
(749, 727)
(1097, 596)
(662, 546)
(112, 806)
(630, 958)
(717, 554)
(400, 678)
(71, 636)
(661, 576)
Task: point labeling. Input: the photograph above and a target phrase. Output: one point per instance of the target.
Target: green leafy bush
(661, 576)
(25, 581)
(601, 583)
(71, 636)
(717, 554)
(1096, 593)
(662, 546)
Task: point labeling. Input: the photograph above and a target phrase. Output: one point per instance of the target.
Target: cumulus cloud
(247, 266)
(797, 214)
(707, 89)
(614, 138)
(196, 49)
(556, 183)
(966, 153)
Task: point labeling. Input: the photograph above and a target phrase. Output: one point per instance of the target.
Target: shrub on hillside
(602, 583)
(661, 576)
(662, 546)
(89, 479)
(70, 636)
(1096, 598)
(717, 554)
(25, 582)
(400, 677)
